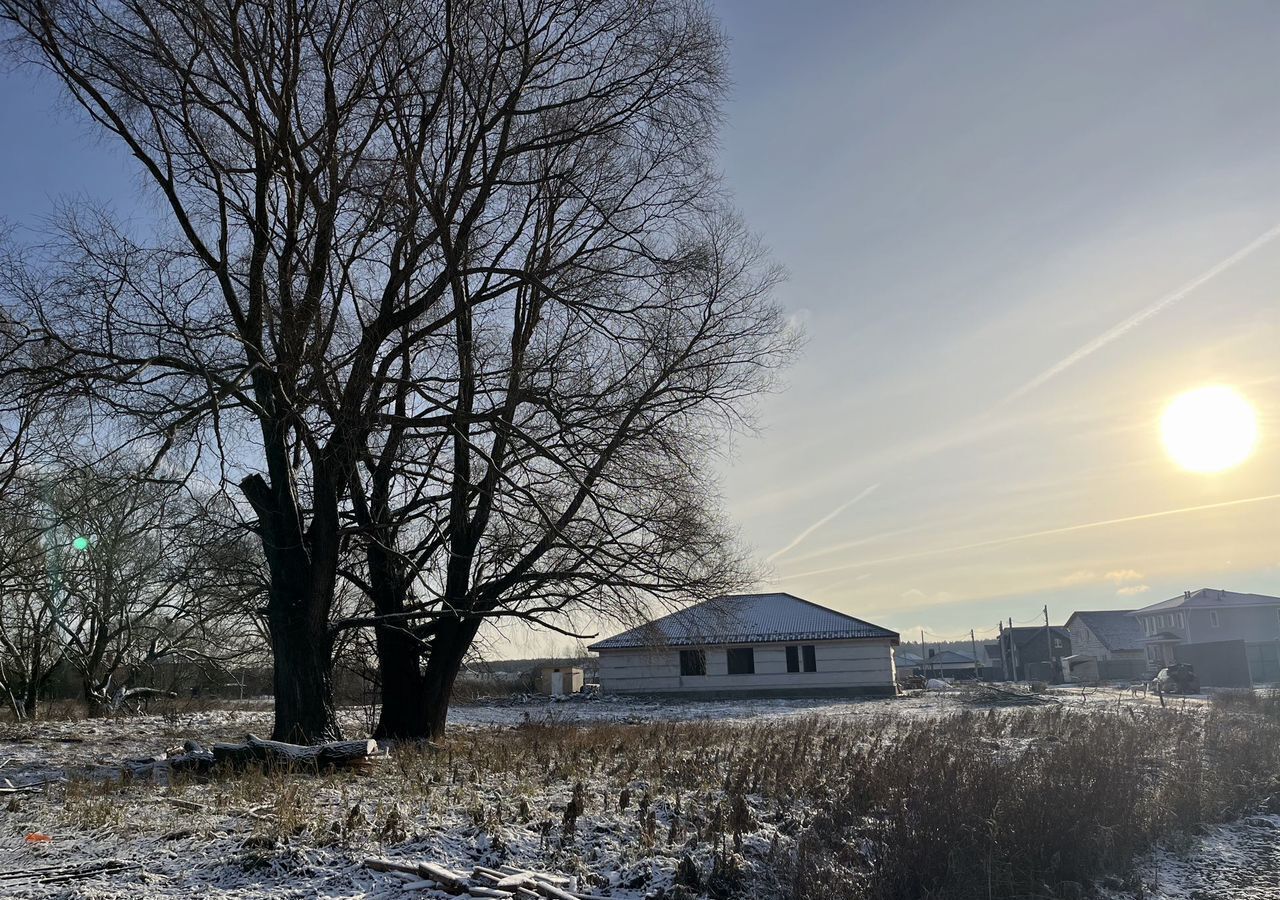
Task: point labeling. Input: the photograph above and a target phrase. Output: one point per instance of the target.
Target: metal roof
(747, 619)
(1115, 629)
(949, 658)
(1209, 598)
(1023, 634)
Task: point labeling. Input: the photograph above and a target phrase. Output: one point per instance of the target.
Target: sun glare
(1209, 429)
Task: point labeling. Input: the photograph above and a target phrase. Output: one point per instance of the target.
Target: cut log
(199, 761)
(278, 753)
(547, 889)
(558, 880)
(378, 864)
(520, 879)
(445, 877)
(449, 880)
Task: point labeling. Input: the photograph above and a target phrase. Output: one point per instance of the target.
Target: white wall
(840, 664)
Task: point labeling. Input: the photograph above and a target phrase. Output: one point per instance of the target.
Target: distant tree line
(444, 304)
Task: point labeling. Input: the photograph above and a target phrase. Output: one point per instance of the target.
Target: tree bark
(302, 571)
(302, 679)
(403, 714)
(449, 647)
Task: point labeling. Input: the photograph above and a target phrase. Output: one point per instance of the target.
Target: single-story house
(750, 645)
(906, 660)
(949, 664)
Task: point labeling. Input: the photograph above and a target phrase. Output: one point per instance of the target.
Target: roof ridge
(763, 617)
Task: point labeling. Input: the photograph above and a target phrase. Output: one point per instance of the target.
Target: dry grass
(995, 804)
(1034, 803)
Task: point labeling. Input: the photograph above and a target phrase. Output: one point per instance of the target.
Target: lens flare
(1209, 429)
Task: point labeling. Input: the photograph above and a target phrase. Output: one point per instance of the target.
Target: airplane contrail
(1138, 318)
(995, 542)
(795, 542)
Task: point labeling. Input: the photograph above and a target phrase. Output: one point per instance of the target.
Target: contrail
(995, 542)
(1138, 318)
(795, 542)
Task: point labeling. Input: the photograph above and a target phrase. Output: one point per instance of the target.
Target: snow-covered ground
(305, 836)
(1236, 861)
(586, 709)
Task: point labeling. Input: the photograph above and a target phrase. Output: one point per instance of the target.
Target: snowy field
(305, 836)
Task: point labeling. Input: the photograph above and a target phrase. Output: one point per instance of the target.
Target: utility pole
(1048, 643)
(924, 659)
(1013, 649)
(973, 642)
(1004, 659)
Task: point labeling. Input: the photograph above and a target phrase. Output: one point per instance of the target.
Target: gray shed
(557, 680)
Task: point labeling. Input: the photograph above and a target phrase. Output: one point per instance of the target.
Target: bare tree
(30, 646)
(140, 579)
(578, 482)
(449, 282)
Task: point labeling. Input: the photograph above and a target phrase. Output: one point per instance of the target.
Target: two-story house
(1106, 643)
(1026, 653)
(1210, 615)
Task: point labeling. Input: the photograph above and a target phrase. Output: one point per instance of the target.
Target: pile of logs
(504, 881)
(990, 695)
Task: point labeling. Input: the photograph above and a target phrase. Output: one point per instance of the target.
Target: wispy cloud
(1066, 529)
(1133, 589)
(1120, 576)
(1143, 315)
(1080, 576)
(799, 538)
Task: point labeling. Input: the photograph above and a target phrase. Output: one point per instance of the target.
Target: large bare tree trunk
(448, 649)
(403, 713)
(303, 679)
(302, 570)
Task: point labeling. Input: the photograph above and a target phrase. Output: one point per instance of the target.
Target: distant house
(751, 644)
(1027, 654)
(1106, 634)
(949, 664)
(1105, 644)
(1170, 628)
(906, 660)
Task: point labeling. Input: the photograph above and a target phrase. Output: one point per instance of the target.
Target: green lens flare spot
(80, 543)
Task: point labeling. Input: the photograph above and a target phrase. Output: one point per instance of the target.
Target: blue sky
(966, 194)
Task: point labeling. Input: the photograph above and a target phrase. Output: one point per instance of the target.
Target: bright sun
(1209, 429)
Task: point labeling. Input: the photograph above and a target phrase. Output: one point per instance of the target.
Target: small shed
(557, 680)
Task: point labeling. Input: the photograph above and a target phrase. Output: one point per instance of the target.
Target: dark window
(810, 658)
(793, 659)
(693, 662)
(742, 661)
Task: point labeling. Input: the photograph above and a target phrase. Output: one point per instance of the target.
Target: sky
(1014, 232)
(977, 203)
